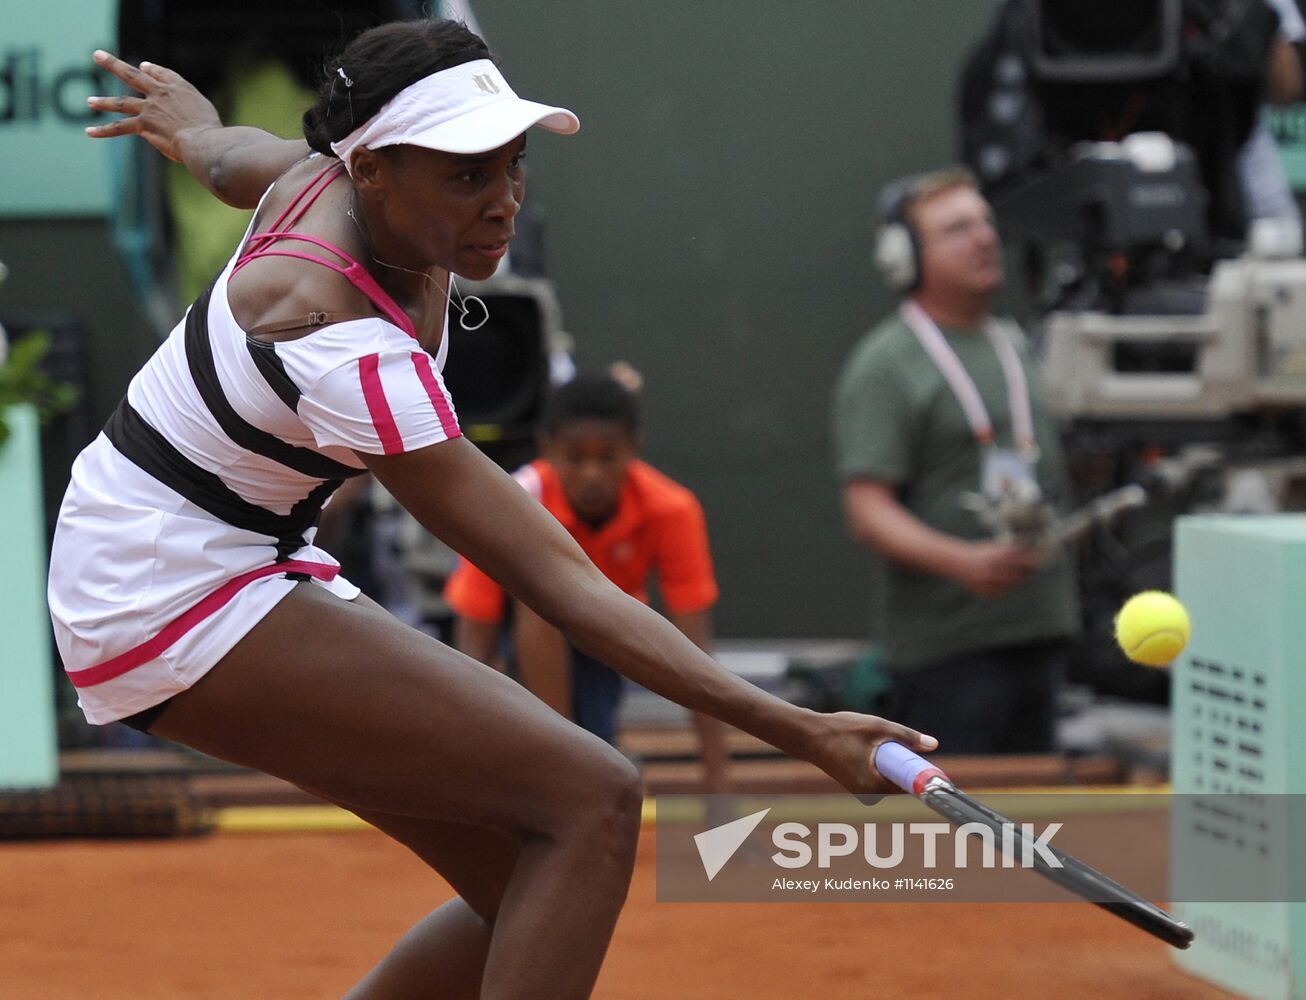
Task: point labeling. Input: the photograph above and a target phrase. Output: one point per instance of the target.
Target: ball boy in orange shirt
(633, 522)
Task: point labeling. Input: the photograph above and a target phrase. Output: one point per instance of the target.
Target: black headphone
(897, 247)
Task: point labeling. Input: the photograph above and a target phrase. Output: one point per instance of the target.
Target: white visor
(467, 108)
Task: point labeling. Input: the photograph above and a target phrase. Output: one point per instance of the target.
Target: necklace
(349, 211)
(459, 303)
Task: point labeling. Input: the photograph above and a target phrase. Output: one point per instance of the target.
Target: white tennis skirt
(148, 592)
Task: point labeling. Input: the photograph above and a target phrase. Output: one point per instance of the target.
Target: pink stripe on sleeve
(374, 394)
(422, 364)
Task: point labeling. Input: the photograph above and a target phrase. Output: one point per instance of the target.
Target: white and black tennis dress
(193, 513)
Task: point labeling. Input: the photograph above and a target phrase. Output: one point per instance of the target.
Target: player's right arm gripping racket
(917, 776)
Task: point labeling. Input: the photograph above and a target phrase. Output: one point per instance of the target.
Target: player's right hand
(989, 569)
(845, 748)
(168, 109)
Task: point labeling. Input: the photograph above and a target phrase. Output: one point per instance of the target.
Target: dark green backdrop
(711, 223)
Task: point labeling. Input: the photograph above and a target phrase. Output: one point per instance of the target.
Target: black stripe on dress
(199, 357)
(149, 450)
(310, 507)
(274, 372)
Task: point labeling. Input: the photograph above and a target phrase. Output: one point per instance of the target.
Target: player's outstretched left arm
(236, 163)
(483, 514)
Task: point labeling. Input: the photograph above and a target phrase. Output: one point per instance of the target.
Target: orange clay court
(283, 916)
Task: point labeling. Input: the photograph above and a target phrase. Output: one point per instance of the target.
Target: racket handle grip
(908, 770)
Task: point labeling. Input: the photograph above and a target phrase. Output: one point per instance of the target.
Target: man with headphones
(937, 410)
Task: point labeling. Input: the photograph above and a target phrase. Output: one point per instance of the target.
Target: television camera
(1172, 335)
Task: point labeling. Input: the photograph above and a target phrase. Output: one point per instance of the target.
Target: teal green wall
(711, 223)
(47, 168)
(27, 751)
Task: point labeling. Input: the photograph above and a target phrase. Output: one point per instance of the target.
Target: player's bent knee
(618, 807)
(616, 783)
(625, 794)
(602, 791)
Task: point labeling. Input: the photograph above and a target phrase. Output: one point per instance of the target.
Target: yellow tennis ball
(1152, 628)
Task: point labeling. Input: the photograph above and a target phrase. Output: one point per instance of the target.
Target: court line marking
(327, 818)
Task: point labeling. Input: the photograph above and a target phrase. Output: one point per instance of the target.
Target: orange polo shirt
(658, 528)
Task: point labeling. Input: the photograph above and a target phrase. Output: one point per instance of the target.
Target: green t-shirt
(897, 420)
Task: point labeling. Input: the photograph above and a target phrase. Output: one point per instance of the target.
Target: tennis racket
(917, 776)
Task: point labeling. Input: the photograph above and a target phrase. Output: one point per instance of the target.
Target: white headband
(467, 108)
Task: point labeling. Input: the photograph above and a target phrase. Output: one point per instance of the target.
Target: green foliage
(22, 381)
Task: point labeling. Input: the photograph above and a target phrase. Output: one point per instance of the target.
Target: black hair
(590, 396)
(378, 64)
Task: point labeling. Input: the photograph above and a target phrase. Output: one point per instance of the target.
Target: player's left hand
(847, 749)
(169, 109)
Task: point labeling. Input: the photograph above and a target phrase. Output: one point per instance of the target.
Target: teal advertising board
(1288, 126)
(27, 746)
(48, 167)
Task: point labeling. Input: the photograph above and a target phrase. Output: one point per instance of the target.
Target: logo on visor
(486, 83)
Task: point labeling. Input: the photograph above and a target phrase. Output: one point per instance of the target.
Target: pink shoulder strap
(327, 174)
(258, 246)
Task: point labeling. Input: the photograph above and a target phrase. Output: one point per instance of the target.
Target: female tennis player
(189, 599)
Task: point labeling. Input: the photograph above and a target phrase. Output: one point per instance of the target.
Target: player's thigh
(344, 699)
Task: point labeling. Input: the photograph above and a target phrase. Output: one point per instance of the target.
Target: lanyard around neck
(963, 386)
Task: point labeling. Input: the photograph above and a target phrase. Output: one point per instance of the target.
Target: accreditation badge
(1007, 474)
